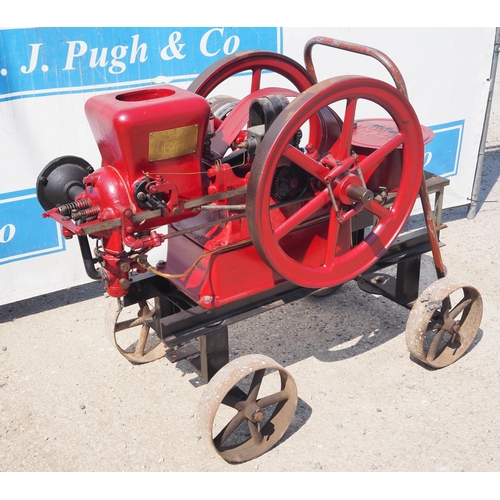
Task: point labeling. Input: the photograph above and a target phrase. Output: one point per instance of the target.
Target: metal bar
(480, 160)
(196, 321)
(407, 280)
(214, 352)
(198, 202)
(359, 49)
(431, 230)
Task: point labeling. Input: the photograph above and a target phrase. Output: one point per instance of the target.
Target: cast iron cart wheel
(143, 346)
(247, 407)
(340, 189)
(255, 61)
(443, 322)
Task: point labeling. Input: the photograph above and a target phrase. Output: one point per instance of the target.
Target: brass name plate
(172, 143)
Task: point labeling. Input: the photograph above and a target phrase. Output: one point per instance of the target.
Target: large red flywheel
(340, 181)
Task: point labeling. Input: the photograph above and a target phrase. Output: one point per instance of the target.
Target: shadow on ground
(46, 302)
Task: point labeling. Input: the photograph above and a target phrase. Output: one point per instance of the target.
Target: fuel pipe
(88, 261)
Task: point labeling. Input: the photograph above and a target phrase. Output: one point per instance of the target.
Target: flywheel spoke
(256, 76)
(254, 61)
(302, 214)
(348, 128)
(378, 210)
(374, 159)
(306, 163)
(333, 236)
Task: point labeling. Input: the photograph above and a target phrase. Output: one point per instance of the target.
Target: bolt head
(258, 416)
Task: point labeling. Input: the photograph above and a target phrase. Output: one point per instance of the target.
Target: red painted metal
(256, 62)
(329, 258)
(373, 133)
(230, 129)
(401, 86)
(123, 121)
(356, 48)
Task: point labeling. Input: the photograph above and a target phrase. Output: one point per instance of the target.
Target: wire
(143, 262)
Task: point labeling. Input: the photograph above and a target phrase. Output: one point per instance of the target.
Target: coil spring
(75, 205)
(86, 214)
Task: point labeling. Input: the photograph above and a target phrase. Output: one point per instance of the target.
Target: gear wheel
(290, 182)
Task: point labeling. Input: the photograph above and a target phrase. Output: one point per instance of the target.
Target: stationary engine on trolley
(267, 198)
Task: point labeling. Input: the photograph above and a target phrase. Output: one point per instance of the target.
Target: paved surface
(70, 402)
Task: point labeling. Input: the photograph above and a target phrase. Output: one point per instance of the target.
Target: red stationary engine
(266, 198)
(273, 187)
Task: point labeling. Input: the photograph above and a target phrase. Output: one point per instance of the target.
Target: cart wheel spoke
(273, 399)
(435, 344)
(230, 428)
(460, 307)
(255, 385)
(254, 428)
(257, 424)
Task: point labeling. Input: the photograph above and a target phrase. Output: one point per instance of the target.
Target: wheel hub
(253, 413)
(350, 189)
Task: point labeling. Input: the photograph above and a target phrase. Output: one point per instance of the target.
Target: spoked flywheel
(443, 322)
(247, 407)
(256, 62)
(259, 64)
(139, 344)
(310, 241)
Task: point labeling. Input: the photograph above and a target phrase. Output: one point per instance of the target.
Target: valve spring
(86, 214)
(75, 205)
